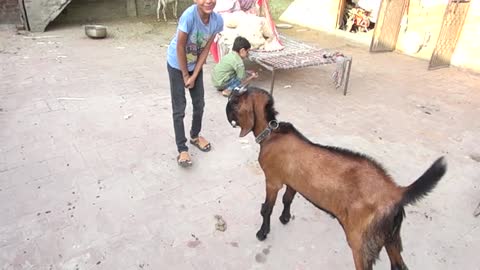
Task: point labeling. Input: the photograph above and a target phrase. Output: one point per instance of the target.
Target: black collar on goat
(272, 126)
(350, 186)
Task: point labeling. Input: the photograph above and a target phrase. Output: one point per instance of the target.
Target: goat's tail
(423, 185)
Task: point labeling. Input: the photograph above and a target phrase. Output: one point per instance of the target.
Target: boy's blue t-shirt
(198, 36)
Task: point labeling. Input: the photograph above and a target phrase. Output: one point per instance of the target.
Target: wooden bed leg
(273, 82)
(346, 75)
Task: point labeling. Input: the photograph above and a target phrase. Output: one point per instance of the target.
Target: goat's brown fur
(350, 186)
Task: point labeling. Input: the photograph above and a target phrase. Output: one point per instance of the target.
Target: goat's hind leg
(266, 210)
(362, 258)
(393, 251)
(394, 248)
(164, 11)
(361, 263)
(393, 243)
(287, 201)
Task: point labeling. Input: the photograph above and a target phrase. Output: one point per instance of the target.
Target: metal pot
(96, 31)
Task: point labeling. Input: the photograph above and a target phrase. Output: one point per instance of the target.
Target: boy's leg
(231, 85)
(198, 101)
(179, 102)
(234, 83)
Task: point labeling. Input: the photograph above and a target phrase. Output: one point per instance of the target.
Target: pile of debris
(243, 18)
(254, 28)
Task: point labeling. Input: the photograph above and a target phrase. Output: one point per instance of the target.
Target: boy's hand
(189, 82)
(185, 78)
(252, 74)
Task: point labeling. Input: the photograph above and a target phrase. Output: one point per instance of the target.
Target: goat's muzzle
(231, 110)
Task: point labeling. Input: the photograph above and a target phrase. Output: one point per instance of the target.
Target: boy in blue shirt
(186, 55)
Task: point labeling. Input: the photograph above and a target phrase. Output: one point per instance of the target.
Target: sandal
(184, 160)
(201, 143)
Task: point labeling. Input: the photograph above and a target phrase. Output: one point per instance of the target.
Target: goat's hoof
(261, 235)
(399, 267)
(284, 219)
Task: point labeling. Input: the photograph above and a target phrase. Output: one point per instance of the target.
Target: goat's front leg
(175, 9)
(266, 210)
(158, 10)
(287, 201)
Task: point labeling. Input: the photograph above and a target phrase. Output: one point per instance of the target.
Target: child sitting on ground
(230, 72)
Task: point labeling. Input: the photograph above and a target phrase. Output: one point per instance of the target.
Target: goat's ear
(246, 117)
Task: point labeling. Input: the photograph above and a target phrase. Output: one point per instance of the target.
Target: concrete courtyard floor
(88, 178)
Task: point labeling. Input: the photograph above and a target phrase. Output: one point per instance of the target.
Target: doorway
(388, 25)
(358, 16)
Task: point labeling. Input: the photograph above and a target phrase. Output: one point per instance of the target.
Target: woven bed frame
(297, 55)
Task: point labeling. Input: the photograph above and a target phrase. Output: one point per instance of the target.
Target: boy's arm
(249, 78)
(182, 55)
(240, 70)
(246, 79)
(203, 55)
(202, 58)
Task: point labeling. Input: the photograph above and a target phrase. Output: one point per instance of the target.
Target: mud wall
(420, 29)
(315, 14)
(467, 52)
(418, 36)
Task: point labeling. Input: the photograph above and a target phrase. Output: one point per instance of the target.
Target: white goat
(163, 5)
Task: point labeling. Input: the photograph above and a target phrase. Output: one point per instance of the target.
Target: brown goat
(351, 187)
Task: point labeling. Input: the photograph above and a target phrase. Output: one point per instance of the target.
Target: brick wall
(9, 12)
(149, 7)
(42, 12)
(93, 10)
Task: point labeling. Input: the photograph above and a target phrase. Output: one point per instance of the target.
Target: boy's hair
(241, 43)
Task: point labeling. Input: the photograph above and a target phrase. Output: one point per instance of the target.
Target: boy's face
(243, 53)
(206, 6)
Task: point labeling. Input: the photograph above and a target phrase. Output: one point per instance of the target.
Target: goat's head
(246, 108)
